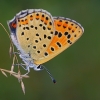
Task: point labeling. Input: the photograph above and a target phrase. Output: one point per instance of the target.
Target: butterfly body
(40, 37)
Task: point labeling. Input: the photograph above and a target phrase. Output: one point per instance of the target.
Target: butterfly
(39, 37)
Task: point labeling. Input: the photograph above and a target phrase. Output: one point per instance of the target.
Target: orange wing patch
(66, 33)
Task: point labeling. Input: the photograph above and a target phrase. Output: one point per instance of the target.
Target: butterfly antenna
(53, 80)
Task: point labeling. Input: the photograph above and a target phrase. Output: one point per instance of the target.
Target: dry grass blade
(4, 73)
(10, 50)
(23, 87)
(17, 75)
(11, 72)
(25, 76)
(12, 68)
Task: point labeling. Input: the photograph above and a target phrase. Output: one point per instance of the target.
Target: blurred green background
(77, 69)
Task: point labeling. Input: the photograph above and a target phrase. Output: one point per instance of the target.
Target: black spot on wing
(22, 33)
(59, 35)
(46, 54)
(58, 43)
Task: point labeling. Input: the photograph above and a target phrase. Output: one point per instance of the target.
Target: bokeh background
(77, 69)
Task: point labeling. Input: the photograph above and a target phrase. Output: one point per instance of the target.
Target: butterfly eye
(38, 68)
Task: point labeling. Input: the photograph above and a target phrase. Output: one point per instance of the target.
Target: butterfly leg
(16, 53)
(28, 70)
(22, 65)
(12, 53)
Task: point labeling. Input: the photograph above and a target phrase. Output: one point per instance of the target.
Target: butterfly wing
(37, 33)
(34, 32)
(67, 32)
